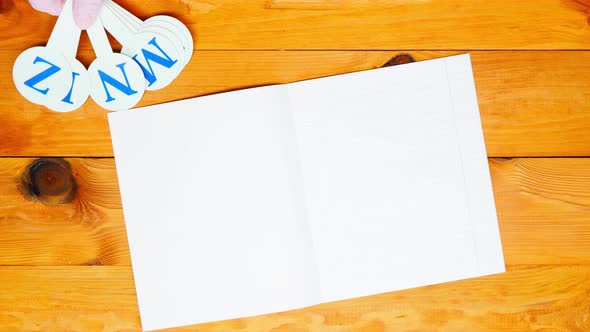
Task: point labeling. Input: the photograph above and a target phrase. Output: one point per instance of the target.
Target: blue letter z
(31, 82)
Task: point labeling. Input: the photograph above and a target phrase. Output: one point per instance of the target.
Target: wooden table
(64, 259)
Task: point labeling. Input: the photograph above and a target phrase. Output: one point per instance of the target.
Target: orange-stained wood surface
(64, 258)
(102, 298)
(533, 103)
(532, 196)
(347, 24)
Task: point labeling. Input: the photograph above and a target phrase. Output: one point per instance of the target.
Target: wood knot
(501, 159)
(49, 180)
(399, 59)
(6, 6)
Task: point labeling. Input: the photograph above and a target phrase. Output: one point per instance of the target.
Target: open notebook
(286, 196)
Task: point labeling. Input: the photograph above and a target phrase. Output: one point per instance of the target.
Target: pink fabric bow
(85, 11)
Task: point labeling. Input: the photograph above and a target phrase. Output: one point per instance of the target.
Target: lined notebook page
(213, 208)
(276, 198)
(396, 179)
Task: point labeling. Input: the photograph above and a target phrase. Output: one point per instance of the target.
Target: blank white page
(396, 179)
(276, 198)
(213, 202)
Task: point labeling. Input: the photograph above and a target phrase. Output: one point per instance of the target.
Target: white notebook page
(276, 198)
(386, 156)
(213, 208)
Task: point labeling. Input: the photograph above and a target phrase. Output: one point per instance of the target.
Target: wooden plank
(88, 230)
(532, 103)
(101, 298)
(543, 207)
(346, 24)
(92, 298)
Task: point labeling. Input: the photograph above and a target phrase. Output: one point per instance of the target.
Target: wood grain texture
(543, 208)
(102, 298)
(346, 24)
(532, 103)
(64, 259)
(89, 230)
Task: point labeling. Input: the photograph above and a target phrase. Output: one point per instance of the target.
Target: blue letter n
(125, 88)
(165, 61)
